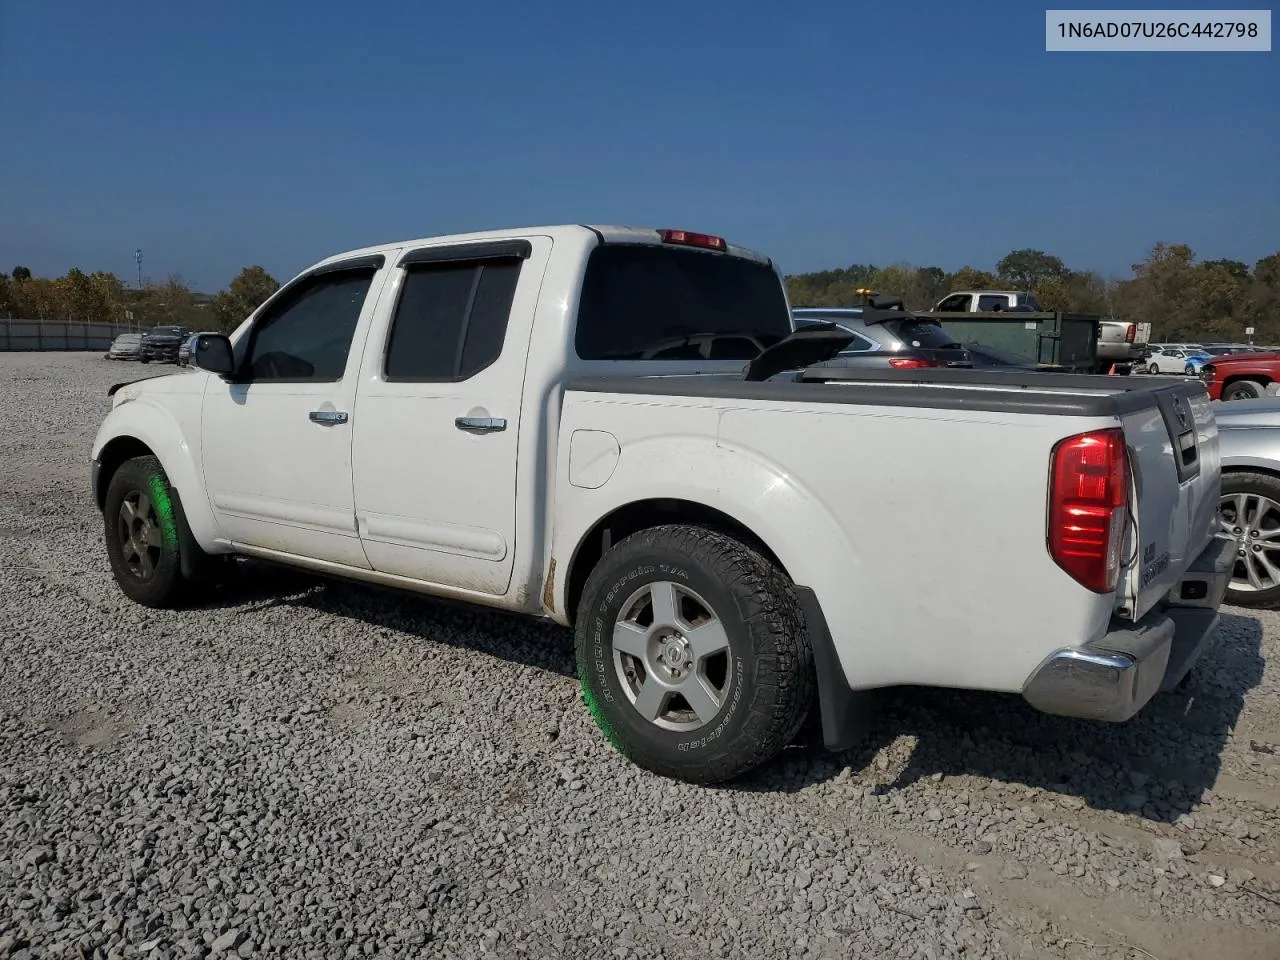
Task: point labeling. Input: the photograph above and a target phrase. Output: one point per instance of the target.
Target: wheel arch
(631, 518)
(1260, 378)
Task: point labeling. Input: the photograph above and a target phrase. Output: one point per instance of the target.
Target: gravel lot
(307, 770)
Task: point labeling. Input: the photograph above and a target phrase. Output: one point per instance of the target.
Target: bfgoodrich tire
(692, 654)
(141, 532)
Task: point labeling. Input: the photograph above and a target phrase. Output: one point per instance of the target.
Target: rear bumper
(1113, 677)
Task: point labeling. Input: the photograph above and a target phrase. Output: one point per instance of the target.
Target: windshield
(642, 302)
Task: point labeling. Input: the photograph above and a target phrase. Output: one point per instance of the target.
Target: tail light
(689, 239)
(913, 363)
(1088, 512)
(1208, 373)
(1130, 332)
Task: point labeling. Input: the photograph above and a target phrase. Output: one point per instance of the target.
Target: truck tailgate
(1173, 446)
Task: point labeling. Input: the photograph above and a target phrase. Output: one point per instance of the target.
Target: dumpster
(1054, 340)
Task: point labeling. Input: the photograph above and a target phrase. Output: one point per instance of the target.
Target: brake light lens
(1130, 332)
(913, 363)
(689, 239)
(1088, 507)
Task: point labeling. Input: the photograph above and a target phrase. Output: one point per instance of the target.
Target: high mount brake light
(689, 239)
(1088, 507)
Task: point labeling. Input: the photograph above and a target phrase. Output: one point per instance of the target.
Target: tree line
(100, 297)
(1182, 297)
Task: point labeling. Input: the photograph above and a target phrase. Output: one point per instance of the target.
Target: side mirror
(212, 352)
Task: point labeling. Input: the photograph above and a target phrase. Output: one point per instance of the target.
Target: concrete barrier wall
(60, 335)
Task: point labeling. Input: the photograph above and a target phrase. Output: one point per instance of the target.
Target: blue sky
(823, 133)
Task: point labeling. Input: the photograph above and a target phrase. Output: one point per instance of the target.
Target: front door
(440, 412)
(277, 442)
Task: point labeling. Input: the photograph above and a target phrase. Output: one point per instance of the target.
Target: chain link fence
(60, 335)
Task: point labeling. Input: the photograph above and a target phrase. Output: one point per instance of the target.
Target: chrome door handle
(480, 424)
(327, 416)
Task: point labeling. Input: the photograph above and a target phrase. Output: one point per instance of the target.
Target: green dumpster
(1051, 340)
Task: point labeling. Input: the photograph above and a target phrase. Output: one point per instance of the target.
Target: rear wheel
(692, 654)
(1153, 369)
(1190, 371)
(141, 531)
(1243, 390)
(1249, 511)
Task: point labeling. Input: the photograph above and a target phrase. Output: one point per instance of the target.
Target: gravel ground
(306, 770)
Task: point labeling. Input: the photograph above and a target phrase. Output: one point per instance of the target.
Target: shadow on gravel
(516, 639)
(1158, 765)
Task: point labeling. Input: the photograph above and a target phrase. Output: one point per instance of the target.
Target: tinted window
(989, 302)
(921, 333)
(307, 334)
(637, 298)
(451, 320)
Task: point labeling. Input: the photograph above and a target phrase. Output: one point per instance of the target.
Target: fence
(60, 335)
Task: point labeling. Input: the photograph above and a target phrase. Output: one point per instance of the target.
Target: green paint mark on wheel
(593, 707)
(164, 511)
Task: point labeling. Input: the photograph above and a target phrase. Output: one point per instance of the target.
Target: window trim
(372, 263)
(489, 253)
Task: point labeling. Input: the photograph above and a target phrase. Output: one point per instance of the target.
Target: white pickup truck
(579, 423)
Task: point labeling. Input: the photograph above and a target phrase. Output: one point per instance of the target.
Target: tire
(1248, 489)
(751, 698)
(1153, 369)
(147, 567)
(144, 360)
(1189, 370)
(1243, 390)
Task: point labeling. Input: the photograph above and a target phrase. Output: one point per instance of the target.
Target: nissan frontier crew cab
(621, 431)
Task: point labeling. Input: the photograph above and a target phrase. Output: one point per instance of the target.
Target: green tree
(1024, 269)
(970, 278)
(248, 291)
(21, 274)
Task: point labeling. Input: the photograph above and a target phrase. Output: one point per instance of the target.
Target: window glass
(451, 320)
(307, 334)
(642, 302)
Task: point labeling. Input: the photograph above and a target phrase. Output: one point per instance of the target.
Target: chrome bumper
(1113, 677)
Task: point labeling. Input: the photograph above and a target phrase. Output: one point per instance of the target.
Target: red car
(1241, 376)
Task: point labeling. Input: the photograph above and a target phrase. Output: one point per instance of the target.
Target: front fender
(166, 430)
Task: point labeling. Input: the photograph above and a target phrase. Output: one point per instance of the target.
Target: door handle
(480, 424)
(328, 416)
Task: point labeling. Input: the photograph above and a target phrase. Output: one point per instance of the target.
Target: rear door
(439, 413)
(1174, 449)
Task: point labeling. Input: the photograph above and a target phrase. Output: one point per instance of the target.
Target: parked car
(1168, 360)
(890, 338)
(1240, 376)
(723, 571)
(1194, 361)
(127, 346)
(1249, 511)
(161, 344)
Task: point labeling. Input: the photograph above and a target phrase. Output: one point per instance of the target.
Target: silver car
(1249, 444)
(127, 346)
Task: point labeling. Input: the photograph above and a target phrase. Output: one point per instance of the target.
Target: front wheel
(1153, 369)
(1244, 390)
(1249, 511)
(141, 531)
(692, 654)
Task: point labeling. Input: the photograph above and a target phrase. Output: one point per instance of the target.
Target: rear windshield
(921, 333)
(648, 302)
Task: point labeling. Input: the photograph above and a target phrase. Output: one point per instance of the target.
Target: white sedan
(1168, 361)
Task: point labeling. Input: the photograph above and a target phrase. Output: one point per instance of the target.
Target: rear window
(921, 333)
(650, 303)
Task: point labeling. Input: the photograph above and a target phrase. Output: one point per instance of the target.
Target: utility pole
(137, 256)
